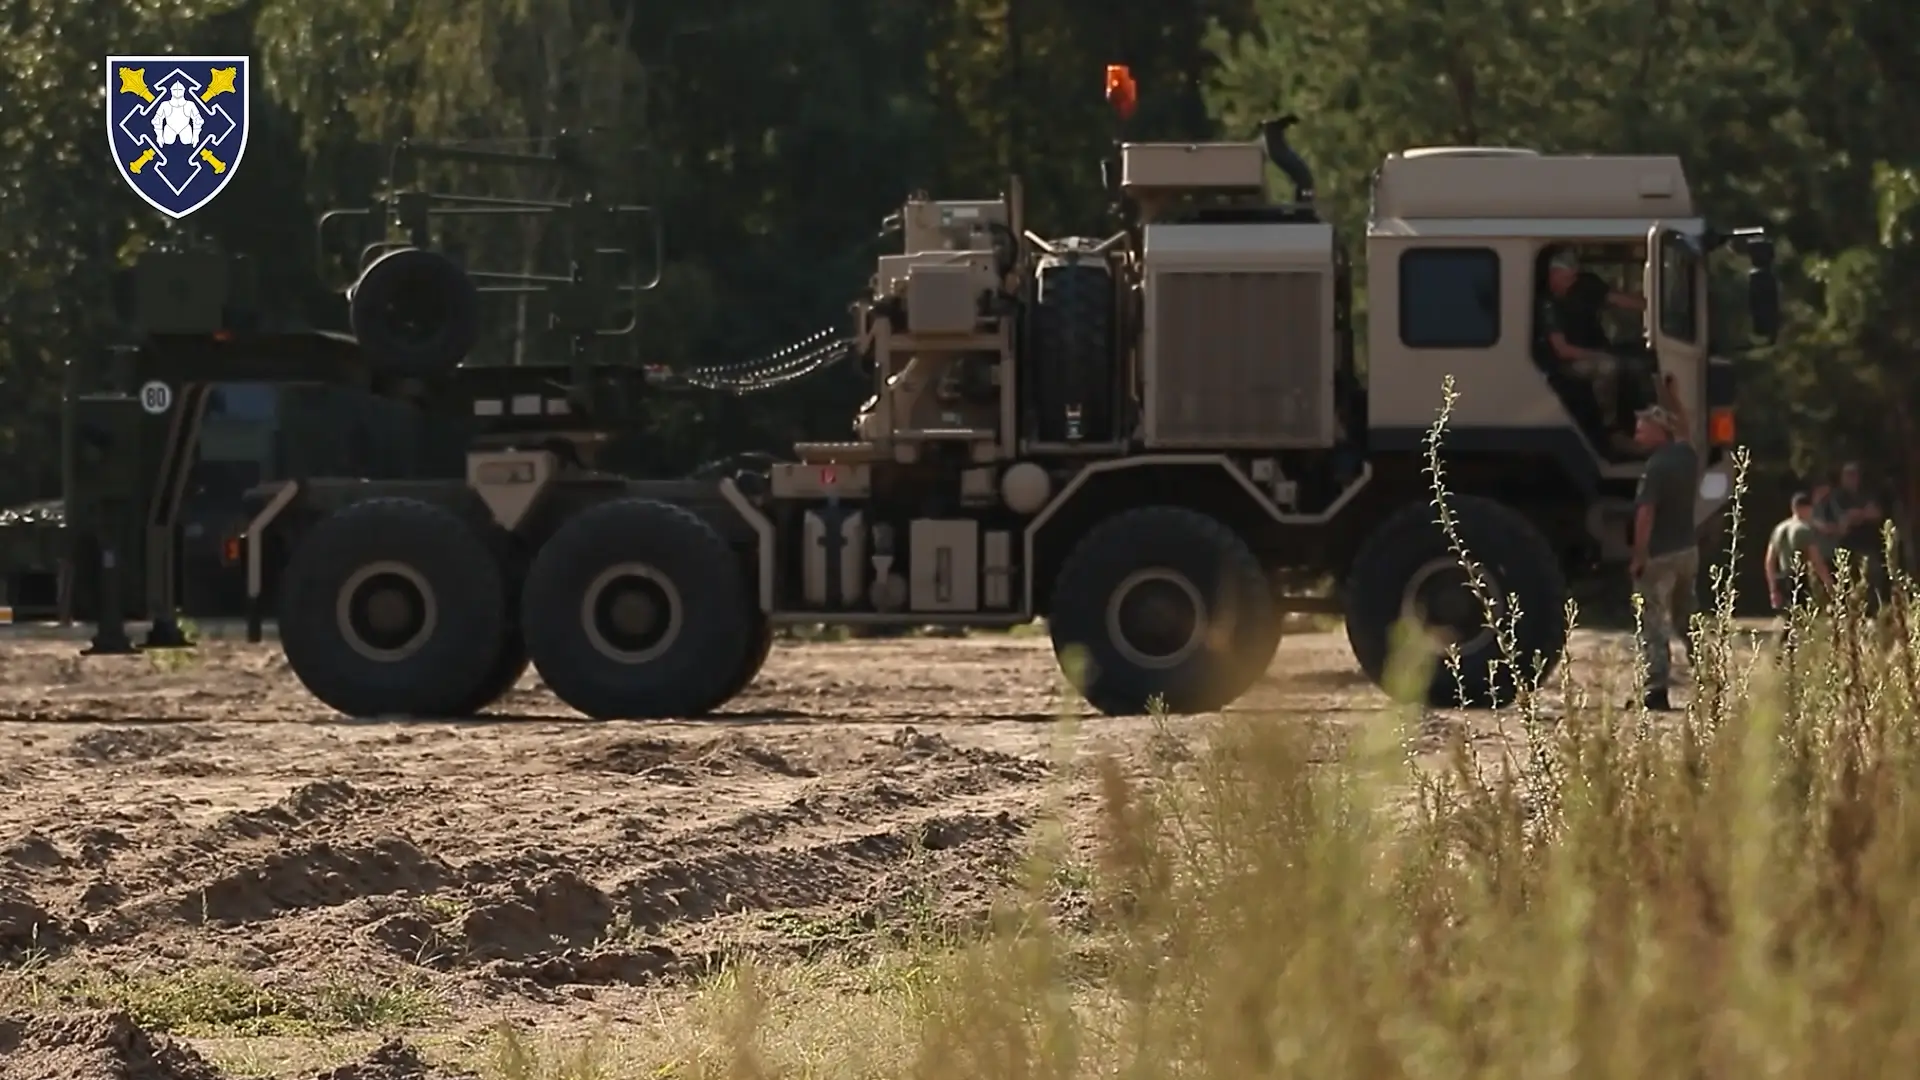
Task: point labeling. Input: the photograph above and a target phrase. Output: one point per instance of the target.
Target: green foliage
(773, 136)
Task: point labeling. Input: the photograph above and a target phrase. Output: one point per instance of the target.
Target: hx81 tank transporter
(1141, 438)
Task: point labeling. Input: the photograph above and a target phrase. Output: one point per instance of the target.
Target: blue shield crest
(177, 126)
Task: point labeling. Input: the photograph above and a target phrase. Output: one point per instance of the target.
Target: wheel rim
(1156, 619)
(386, 611)
(632, 613)
(1439, 598)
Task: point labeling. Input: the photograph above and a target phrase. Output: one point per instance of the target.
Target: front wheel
(1407, 572)
(1161, 603)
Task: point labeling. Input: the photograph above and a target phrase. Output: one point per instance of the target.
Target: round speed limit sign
(156, 397)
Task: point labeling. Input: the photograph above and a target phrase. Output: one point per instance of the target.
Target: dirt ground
(204, 848)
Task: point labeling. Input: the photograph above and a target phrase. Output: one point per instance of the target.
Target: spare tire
(1073, 332)
(415, 313)
(394, 607)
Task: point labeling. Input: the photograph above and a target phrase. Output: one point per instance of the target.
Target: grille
(1238, 361)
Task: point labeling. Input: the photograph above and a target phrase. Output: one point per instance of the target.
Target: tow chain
(804, 358)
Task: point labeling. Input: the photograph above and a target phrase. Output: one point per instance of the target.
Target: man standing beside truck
(1796, 557)
(1665, 560)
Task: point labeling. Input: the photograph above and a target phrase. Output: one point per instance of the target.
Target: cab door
(1676, 292)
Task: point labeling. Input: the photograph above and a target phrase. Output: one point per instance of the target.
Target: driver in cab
(1570, 316)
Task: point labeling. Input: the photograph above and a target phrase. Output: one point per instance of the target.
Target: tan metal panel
(1239, 359)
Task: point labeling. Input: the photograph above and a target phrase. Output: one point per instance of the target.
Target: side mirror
(1763, 303)
(1755, 245)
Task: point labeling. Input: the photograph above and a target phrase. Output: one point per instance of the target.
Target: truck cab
(1458, 244)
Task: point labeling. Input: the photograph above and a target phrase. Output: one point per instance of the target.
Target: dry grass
(1730, 894)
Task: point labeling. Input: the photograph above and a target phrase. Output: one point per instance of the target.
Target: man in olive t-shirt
(1665, 558)
(1795, 555)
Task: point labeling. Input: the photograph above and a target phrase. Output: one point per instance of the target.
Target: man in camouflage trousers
(1666, 560)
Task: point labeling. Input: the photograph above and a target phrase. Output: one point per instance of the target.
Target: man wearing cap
(1665, 559)
(1570, 318)
(1796, 556)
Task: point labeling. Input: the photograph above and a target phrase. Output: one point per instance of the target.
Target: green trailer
(175, 439)
(250, 434)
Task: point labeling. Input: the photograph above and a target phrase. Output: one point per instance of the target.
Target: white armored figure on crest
(175, 119)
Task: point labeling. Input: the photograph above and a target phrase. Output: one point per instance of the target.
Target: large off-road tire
(414, 313)
(393, 607)
(637, 609)
(1406, 569)
(1160, 602)
(511, 661)
(502, 675)
(756, 657)
(1256, 645)
(1073, 317)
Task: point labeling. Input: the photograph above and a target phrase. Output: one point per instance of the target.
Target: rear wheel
(637, 609)
(393, 607)
(1161, 602)
(756, 656)
(1407, 571)
(502, 676)
(511, 662)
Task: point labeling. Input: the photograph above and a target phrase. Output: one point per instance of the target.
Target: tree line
(773, 136)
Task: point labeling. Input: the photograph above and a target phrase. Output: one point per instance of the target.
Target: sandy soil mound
(26, 927)
(94, 1046)
(111, 1046)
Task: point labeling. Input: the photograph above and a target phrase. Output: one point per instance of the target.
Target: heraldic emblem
(177, 126)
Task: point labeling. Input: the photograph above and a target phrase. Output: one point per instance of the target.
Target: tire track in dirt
(612, 857)
(819, 839)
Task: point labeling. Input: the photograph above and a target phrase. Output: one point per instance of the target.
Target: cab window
(1679, 274)
(1450, 298)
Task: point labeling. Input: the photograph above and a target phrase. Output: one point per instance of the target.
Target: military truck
(1137, 437)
